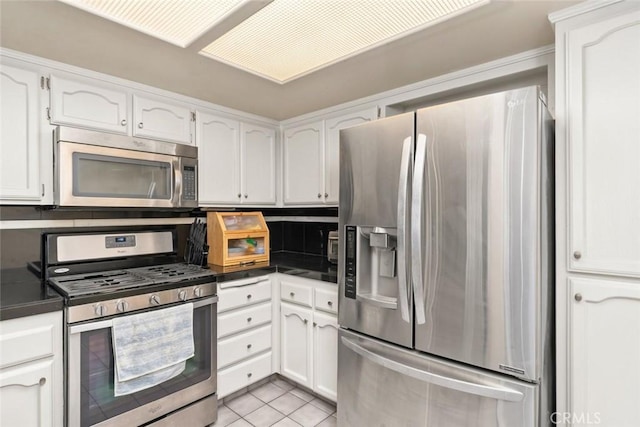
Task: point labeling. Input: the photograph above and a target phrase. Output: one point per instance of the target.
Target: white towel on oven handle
(150, 348)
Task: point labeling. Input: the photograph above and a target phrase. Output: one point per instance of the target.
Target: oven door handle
(101, 324)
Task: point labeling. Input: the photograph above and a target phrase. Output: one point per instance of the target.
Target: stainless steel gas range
(132, 275)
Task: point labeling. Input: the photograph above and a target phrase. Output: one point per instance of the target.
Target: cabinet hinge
(193, 116)
(42, 82)
(379, 113)
(48, 83)
(48, 114)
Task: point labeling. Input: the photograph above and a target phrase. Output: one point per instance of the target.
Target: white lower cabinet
(309, 334)
(605, 339)
(244, 333)
(31, 378)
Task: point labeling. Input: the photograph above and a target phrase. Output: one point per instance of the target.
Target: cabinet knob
(123, 122)
(326, 195)
(248, 319)
(140, 125)
(249, 375)
(578, 297)
(248, 296)
(248, 346)
(315, 324)
(319, 195)
(239, 195)
(577, 255)
(305, 321)
(292, 294)
(42, 381)
(329, 303)
(246, 195)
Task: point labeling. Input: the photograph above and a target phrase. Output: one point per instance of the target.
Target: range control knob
(101, 310)
(197, 292)
(182, 295)
(122, 306)
(154, 300)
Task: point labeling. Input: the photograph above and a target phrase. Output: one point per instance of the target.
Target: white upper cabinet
(258, 154)
(218, 159)
(78, 103)
(333, 126)
(19, 135)
(161, 120)
(303, 148)
(236, 161)
(312, 158)
(605, 339)
(603, 134)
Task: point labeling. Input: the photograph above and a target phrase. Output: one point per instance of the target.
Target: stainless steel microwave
(96, 169)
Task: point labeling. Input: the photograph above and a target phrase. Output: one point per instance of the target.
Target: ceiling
(61, 32)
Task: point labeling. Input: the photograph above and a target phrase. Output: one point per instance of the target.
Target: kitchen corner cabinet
(597, 211)
(309, 334)
(31, 377)
(244, 333)
(157, 119)
(605, 337)
(236, 161)
(25, 152)
(311, 158)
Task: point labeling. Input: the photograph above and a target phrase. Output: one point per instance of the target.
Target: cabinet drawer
(296, 293)
(25, 339)
(239, 320)
(243, 374)
(241, 293)
(326, 300)
(239, 347)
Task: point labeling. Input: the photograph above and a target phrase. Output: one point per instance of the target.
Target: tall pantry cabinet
(598, 213)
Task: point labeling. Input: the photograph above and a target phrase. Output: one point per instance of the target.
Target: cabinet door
(325, 355)
(258, 169)
(160, 120)
(604, 146)
(296, 344)
(26, 396)
(218, 159)
(605, 349)
(19, 135)
(303, 164)
(332, 149)
(81, 104)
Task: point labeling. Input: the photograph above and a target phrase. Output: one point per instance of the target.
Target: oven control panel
(120, 241)
(134, 303)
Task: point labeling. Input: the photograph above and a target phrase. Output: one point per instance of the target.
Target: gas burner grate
(172, 272)
(104, 281)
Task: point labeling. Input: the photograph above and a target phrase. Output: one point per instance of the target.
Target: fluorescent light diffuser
(288, 39)
(179, 22)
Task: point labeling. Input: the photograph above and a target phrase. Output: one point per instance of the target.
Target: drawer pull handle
(249, 296)
(248, 346)
(292, 294)
(248, 319)
(329, 303)
(249, 375)
(42, 381)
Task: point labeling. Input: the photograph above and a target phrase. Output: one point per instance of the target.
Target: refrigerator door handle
(403, 204)
(492, 392)
(416, 224)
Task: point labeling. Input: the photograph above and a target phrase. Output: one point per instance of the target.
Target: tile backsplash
(302, 237)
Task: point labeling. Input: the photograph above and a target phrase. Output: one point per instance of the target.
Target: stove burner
(116, 280)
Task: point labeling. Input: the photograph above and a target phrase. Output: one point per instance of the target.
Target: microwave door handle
(403, 205)
(176, 181)
(417, 257)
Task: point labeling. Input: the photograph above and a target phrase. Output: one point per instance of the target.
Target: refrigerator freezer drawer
(384, 385)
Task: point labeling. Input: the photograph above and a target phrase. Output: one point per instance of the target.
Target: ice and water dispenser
(370, 265)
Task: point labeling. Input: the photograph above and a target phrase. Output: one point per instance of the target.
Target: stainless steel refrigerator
(446, 266)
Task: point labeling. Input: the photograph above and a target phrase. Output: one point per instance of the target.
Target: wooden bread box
(236, 238)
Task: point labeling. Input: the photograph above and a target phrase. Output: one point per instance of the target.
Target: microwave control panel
(350, 262)
(189, 183)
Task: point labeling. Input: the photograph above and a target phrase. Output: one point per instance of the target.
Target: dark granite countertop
(22, 294)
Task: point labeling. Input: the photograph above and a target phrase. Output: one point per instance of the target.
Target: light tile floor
(276, 403)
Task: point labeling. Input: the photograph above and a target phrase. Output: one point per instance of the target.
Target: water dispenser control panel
(350, 261)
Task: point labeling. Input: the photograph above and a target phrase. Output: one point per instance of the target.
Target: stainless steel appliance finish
(453, 203)
(123, 273)
(332, 247)
(104, 170)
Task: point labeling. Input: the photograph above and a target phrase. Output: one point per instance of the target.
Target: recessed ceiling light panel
(179, 22)
(291, 38)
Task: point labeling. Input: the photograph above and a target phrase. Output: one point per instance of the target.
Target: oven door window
(97, 402)
(97, 175)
